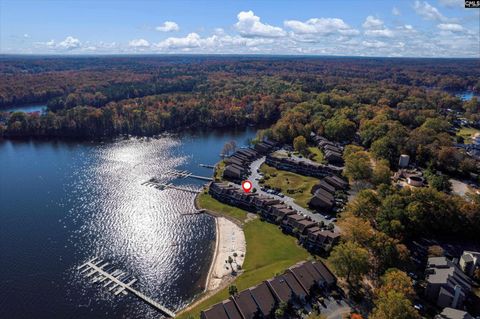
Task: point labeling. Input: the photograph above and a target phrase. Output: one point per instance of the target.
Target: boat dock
(115, 279)
(154, 183)
(207, 166)
(185, 174)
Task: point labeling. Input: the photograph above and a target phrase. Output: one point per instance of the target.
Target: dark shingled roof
(336, 181)
(296, 217)
(232, 160)
(325, 272)
(326, 186)
(246, 304)
(216, 312)
(294, 284)
(233, 170)
(303, 276)
(264, 298)
(314, 272)
(231, 310)
(280, 288)
(322, 192)
(320, 201)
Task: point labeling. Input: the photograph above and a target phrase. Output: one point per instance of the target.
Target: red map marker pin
(247, 186)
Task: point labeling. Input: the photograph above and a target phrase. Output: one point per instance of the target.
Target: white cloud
(454, 27)
(139, 43)
(396, 11)
(216, 43)
(69, 43)
(249, 25)
(380, 33)
(192, 40)
(26, 35)
(325, 36)
(427, 11)
(322, 26)
(168, 26)
(374, 44)
(452, 3)
(376, 28)
(219, 31)
(372, 23)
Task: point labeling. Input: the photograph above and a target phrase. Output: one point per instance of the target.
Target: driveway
(287, 200)
(334, 309)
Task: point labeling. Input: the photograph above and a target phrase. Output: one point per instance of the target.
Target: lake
(63, 203)
(466, 96)
(26, 108)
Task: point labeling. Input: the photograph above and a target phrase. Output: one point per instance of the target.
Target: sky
(403, 28)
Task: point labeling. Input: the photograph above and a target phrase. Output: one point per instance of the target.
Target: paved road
(287, 200)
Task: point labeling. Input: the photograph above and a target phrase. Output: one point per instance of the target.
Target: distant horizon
(264, 55)
(390, 28)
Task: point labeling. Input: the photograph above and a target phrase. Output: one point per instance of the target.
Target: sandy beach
(230, 240)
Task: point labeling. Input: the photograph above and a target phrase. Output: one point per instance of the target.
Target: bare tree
(234, 145)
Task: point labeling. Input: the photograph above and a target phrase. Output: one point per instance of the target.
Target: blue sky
(434, 28)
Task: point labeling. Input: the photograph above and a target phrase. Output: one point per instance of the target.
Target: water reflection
(141, 229)
(63, 203)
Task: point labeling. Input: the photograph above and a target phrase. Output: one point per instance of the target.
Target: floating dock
(93, 268)
(207, 166)
(185, 174)
(154, 183)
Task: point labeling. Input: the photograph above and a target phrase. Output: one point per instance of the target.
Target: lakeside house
(447, 285)
(302, 167)
(237, 165)
(275, 211)
(332, 152)
(324, 193)
(294, 287)
(265, 147)
(318, 240)
(296, 224)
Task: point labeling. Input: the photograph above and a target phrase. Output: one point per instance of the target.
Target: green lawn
(467, 133)
(318, 154)
(269, 252)
(206, 201)
(301, 185)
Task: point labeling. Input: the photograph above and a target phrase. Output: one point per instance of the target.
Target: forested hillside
(107, 96)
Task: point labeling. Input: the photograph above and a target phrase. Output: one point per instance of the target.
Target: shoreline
(224, 226)
(219, 277)
(214, 257)
(231, 240)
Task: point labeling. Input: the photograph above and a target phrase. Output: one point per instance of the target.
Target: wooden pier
(115, 279)
(185, 174)
(154, 183)
(207, 166)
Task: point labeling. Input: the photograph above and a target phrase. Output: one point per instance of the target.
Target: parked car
(419, 307)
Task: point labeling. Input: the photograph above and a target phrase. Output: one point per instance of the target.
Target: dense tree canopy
(350, 261)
